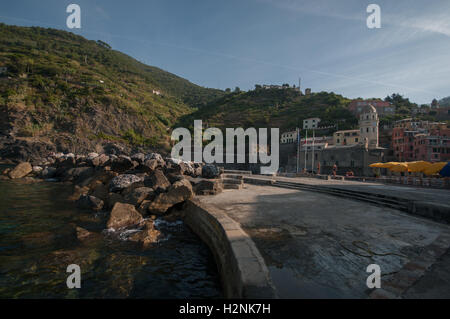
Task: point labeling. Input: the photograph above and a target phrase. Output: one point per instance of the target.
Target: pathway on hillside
(319, 246)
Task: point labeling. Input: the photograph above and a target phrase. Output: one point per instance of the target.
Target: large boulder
(138, 157)
(21, 170)
(147, 235)
(210, 171)
(174, 177)
(104, 176)
(122, 164)
(181, 168)
(177, 193)
(123, 215)
(89, 202)
(148, 166)
(100, 160)
(123, 181)
(156, 157)
(208, 187)
(138, 195)
(157, 180)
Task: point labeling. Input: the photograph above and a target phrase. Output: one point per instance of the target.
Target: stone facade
(355, 157)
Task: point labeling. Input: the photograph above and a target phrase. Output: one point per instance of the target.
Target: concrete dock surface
(319, 246)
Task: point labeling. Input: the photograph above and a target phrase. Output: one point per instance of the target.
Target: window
(367, 130)
(356, 140)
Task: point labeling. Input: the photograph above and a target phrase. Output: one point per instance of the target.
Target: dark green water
(38, 242)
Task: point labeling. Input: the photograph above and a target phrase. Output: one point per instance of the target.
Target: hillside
(273, 108)
(76, 93)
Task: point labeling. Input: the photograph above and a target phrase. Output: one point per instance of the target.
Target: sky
(224, 44)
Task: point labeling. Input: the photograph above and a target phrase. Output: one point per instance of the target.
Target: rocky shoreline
(133, 191)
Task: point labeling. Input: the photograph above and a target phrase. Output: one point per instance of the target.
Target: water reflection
(38, 240)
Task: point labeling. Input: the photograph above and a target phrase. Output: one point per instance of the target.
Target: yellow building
(349, 137)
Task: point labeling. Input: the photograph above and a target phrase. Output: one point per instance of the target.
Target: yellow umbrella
(399, 167)
(435, 168)
(383, 165)
(419, 166)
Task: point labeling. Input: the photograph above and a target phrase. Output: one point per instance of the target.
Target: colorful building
(420, 141)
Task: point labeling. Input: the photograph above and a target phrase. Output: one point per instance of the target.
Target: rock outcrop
(123, 181)
(210, 171)
(158, 181)
(21, 170)
(148, 235)
(177, 193)
(123, 215)
(208, 187)
(138, 195)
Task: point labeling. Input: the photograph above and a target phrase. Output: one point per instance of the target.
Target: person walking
(334, 170)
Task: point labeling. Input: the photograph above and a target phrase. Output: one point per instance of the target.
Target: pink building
(423, 142)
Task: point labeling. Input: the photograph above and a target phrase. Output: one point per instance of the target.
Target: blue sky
(242, 43)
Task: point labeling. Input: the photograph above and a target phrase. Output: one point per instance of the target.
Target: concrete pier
(317, 245)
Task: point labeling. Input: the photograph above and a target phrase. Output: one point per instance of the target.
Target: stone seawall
(242, 269)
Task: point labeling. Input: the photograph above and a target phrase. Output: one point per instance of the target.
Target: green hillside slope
(273, 108)
(64, 89)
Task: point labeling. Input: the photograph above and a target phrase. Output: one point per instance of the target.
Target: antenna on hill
(299, 84)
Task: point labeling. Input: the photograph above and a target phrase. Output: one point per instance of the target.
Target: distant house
(311, 123)
(156, 92)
